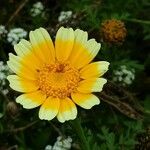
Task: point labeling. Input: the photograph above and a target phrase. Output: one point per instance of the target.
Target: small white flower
(2, 75)
(120, 78)
(64, 16)
(3, 30)
(4, 72)
(119, 73)
(15, 35)
(60, 144)
(48, 147)
(69, 139)
(127, 80)
(124, 75)
(5, 91)
(37, 9)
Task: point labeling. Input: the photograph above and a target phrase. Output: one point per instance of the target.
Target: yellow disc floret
(58, 80)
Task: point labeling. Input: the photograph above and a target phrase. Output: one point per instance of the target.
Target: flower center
(58, 80)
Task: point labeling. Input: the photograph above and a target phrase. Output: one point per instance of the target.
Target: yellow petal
(21, 84)
(26, 53)
(64, 43)
(31, 100)
(22, 48)
(42, 45)
(86, 101)
(16, 64)
(67, 110)
(49, 109)
(91, 85)
(94, 70)
(83, 51)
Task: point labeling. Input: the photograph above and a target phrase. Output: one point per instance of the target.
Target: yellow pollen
(58, 80)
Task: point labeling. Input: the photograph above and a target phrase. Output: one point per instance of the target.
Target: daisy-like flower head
(56, 78)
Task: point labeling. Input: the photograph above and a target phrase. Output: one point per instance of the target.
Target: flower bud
(12, 108)
(113, 31)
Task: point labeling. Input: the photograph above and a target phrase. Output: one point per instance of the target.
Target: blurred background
(122, 120)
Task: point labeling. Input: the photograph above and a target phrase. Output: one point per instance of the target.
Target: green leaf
(147, 103)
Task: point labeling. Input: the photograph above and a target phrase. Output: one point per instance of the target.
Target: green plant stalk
(139, 21)
(76, 125)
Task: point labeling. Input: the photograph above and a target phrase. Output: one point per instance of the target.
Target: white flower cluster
(37, 9)
(60, 144)
(3, 30)
(4, 72)
(124, 75)
(64, 16)
(15, 35)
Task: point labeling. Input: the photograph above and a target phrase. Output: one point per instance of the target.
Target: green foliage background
(105, 127)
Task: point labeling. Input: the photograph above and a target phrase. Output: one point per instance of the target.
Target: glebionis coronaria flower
(57, 76)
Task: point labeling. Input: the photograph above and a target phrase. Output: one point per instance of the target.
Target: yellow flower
(57, 77)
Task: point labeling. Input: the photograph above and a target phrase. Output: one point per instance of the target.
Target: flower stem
(76, 125)
(139, 21)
